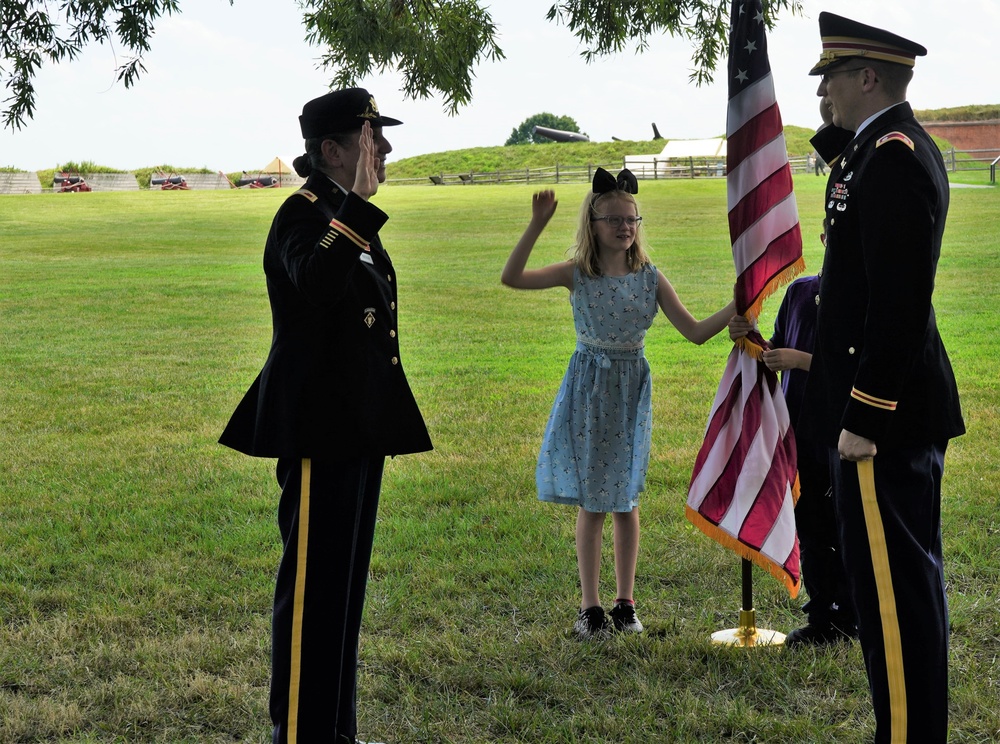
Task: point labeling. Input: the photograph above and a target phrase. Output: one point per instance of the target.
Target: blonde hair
(585, 255)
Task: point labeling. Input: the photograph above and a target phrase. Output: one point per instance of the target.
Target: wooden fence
(972, 160)
(683, 168)
(655, 169)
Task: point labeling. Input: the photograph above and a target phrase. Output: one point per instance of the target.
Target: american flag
(743, 487)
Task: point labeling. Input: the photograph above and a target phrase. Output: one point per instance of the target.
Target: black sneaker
(623, 618)
(818, 635)
(591, 623)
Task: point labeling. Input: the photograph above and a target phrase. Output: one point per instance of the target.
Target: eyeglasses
(825, 77)
(616, 220)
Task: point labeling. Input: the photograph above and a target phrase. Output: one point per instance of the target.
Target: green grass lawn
(137, 555)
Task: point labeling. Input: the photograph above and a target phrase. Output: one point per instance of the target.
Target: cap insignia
(371, 112)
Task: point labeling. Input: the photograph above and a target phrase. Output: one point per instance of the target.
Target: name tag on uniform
(366, 258)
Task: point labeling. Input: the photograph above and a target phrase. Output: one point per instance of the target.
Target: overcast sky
(224, 85)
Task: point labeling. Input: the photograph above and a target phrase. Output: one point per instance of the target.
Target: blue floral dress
(596, 445)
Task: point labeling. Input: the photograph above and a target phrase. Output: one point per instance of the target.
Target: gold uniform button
(817, 299)
(833, 220)
(850, 350)
(392, 305)
(395, 360)
(388, 277)
(392, 334)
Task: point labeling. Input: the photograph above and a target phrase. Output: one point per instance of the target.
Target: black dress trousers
(888, 510)
(327, 520)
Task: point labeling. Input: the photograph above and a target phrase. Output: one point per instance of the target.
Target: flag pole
(748, 635)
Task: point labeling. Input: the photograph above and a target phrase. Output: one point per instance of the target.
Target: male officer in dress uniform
(881, 392)
(330, 404)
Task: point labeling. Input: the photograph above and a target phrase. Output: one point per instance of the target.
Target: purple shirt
(795, 328)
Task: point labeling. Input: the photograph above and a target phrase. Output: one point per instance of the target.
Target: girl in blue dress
(596, 446)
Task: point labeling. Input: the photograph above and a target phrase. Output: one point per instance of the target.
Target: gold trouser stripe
(297, 606)
(886, 603)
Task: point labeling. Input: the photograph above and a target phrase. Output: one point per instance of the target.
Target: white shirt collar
(874, 116)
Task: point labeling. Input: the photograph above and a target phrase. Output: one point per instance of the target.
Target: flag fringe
(753, 312)
(784, 277)
(750, 348)
(744, 551)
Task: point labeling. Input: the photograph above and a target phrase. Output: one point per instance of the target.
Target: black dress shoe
(818, 635)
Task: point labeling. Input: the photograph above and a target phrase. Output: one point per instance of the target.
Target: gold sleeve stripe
(871, 400)
(307, 194)
(895, 136)
(349, 234)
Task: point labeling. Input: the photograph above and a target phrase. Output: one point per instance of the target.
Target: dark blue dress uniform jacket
(879, 368)
(333, 384)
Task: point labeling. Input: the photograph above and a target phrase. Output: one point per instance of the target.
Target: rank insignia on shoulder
(369, 319)
(895, 136)
(307, 194)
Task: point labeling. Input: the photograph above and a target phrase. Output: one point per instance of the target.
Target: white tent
(680, 154)
(277, 167)
(285, 174)
(701, 148)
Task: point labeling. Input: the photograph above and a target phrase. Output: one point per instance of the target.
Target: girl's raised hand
(543, 206)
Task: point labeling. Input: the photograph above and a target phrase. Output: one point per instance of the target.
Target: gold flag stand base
(748, 635)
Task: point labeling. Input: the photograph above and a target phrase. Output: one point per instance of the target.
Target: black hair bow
(605, 182)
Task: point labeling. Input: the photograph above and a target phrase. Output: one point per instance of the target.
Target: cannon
(70, 183)
(561, 136)
(172, 182)
(260, 181)
(163, 180)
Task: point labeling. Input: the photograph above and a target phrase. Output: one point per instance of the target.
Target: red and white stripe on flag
(743, 488)
(763, 216)
(742, 491)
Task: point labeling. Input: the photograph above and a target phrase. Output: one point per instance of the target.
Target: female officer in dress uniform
(330, 404)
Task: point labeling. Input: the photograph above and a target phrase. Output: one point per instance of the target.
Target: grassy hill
(514, 157)
(960, 113)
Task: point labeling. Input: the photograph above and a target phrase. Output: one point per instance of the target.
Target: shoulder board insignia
(895, 136)
(307, 194)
